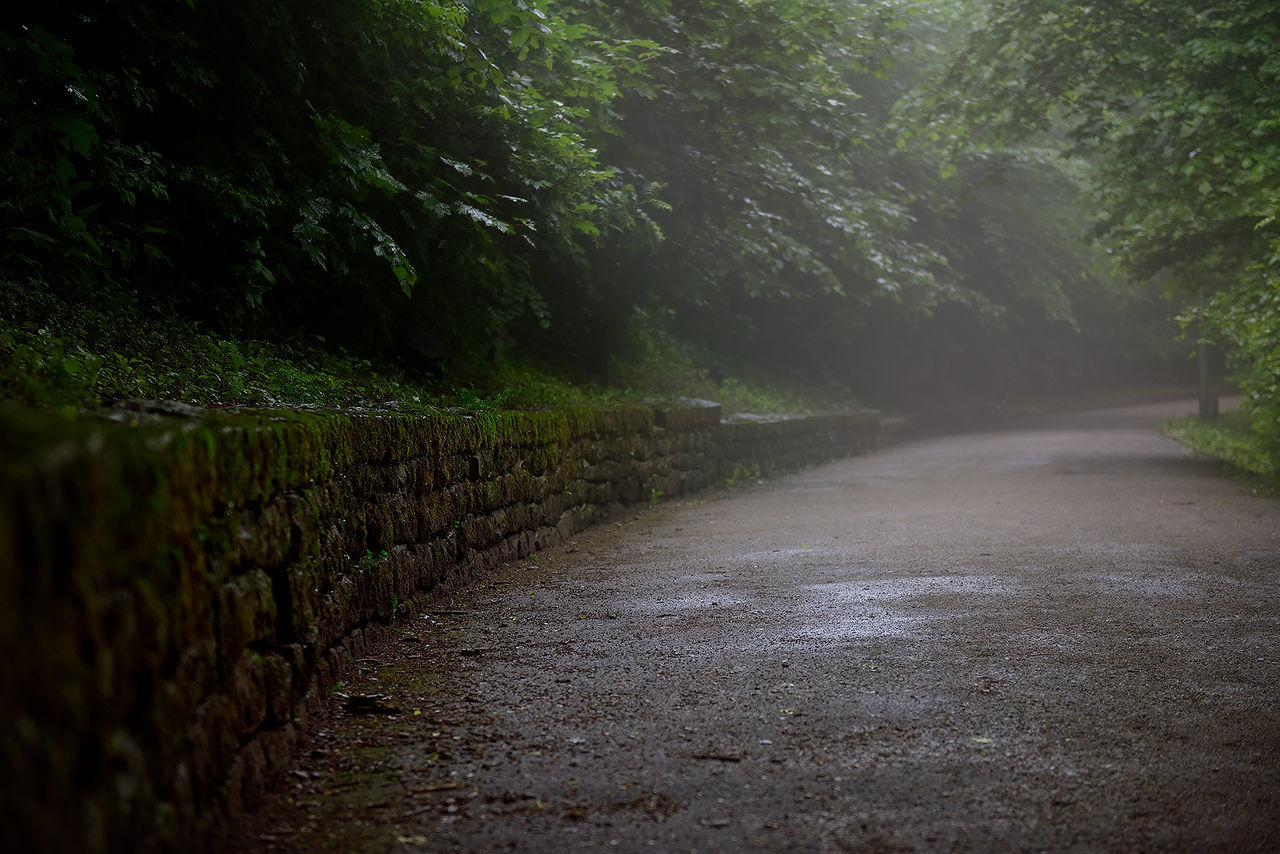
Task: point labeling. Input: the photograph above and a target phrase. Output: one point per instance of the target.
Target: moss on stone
(164, 561)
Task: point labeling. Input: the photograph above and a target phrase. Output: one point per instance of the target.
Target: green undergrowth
(667, 368)
(55, 353)
(74, 355)
(1229, 438)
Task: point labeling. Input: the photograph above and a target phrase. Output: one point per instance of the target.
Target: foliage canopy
(1177, 108)
(447, 181)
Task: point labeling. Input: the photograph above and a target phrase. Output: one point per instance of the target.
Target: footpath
(1064, 636)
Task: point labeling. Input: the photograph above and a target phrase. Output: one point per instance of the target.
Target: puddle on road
(863, 590)
(861, 622)
(700, 600)
(897, 607)
(1175, 582)
(1136, 555)
(860, 608)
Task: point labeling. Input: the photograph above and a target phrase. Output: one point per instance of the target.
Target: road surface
(1064, 637)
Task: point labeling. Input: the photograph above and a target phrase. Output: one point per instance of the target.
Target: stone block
(233, 577)
(247, 692)
(246, 615)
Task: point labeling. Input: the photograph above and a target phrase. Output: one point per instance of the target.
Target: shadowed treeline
(450, 186)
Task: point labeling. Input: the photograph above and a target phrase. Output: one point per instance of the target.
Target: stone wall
(175, 592)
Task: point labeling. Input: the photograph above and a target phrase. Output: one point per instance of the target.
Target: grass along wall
(178, 590)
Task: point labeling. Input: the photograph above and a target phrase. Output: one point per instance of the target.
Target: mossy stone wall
(176, 593)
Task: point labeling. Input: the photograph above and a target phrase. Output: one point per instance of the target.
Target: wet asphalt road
(1064, 637)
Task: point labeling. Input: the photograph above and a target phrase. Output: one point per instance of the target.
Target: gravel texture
(1062, 637)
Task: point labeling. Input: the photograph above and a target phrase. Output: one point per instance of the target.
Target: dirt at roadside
(1060, 637)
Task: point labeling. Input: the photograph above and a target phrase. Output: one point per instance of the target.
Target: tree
(374, 170)
(1175, 106)
(442, 178)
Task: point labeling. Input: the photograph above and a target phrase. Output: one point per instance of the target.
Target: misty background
(883, 201)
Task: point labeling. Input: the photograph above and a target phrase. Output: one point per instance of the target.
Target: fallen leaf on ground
(370, 704)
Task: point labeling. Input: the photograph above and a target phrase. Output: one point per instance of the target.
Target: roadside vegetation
(1229, 438)
(1172, 108)
(781, 205)
(72, 357)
